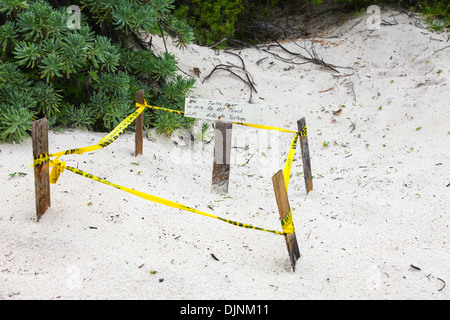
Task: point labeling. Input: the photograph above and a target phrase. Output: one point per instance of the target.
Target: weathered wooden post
(41, 171)
(224, 113)
(139, 131)
(222, 150)
(287, 223)
(305, 154)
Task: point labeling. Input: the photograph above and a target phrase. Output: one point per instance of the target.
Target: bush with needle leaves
(15, 123)
(88, 77)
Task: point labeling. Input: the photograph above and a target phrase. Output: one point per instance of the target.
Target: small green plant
(205, 133)
(204, 129)
(325, 143)
(418, 128)
(19, 174)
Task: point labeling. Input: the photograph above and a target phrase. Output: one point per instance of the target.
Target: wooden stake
(139, 131)
(41, 172)
(284, 209)
(222, 151)
(305, 154)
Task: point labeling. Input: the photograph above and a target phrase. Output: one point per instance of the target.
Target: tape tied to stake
(40, 159)
(288, 223)
(304, 132)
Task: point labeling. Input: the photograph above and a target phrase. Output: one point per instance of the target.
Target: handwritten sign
(225, 111)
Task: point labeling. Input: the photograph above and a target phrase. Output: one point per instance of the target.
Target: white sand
(380, 203)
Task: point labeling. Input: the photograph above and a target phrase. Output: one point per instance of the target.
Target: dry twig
(311, 51)
(231, 69)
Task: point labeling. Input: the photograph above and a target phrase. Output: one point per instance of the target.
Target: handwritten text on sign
(225, 111)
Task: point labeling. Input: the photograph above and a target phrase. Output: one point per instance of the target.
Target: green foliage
(88, 77)
(10, 74)
(8, 34)
(172, 97)
(11, 6)
(159, 68)
(217, 21)
(81, 117)
(437, 14)
(47, 99)
(212, 20)
(15, 123)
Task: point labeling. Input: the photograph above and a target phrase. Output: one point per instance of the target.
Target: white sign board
(225, 111)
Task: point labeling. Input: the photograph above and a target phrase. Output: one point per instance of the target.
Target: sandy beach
(376, 225)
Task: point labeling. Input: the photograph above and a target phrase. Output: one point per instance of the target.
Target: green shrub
(215, 21)
(212, 20)
(172, 97)
(87, 77)
(437, 14)
(15, 123)
(78, 117)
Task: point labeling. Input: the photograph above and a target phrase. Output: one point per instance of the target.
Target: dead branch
(387, 23)
(412, 15)
(313, 56)
(441, 49)
(278, 57)
(230, 67)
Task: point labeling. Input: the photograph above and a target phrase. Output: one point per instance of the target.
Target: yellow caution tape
(113, 135)
(264, 127)
(289, 160)
(158, 108)
(104, 142)
(239, 123)
(288, 223)
(58, 167)
(40, 159)
(288, 226)
(304, 132)
(120, 129)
